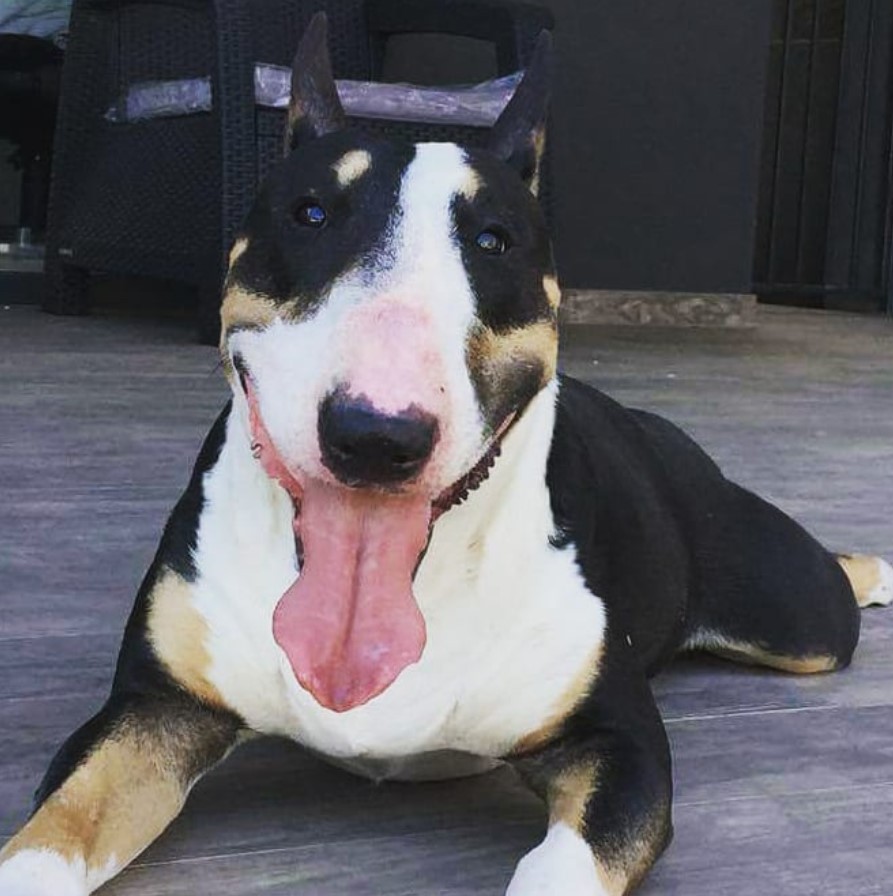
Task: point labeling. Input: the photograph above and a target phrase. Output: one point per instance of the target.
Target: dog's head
(389, 312)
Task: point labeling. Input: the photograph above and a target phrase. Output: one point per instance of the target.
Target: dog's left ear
(314, 108)
(519, 134)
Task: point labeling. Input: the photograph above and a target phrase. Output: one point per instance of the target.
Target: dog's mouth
(350, 624)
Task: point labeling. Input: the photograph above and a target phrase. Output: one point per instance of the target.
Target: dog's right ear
(314, 108)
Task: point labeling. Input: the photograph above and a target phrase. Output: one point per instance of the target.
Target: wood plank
(835, 843)
(783, 783)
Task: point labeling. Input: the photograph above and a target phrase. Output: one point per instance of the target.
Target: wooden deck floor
(783, 785)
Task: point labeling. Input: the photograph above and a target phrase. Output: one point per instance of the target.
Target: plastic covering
(478, 105)
(39, 18)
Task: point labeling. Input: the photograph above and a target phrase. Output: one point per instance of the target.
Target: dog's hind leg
(111, 790)
(768, 593)
(605, 776)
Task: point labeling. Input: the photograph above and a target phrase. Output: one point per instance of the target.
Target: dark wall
(657, 124)
(658, 118)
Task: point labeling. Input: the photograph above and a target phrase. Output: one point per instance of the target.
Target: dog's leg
(111, 790)
(766, 592)
(606, 780)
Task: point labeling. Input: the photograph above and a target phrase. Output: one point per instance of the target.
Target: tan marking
(111, 807)
(471, 183)
(352, 166)
(178, 633)
(569, 797)
(553, 291)
(613, 882)
(866, 575)
(538, 340)
(622, 874)
(539, 148)
(805, 665)
(570, 700)
(243, 308)
(753, 654)
(569, 794)
(239, 246)
(493, 352)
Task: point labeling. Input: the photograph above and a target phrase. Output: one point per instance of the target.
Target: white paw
(882, 593)
(871, 579)
(562, 865)
(41, 872)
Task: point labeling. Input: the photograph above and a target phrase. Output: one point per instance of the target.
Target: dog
(412, 546)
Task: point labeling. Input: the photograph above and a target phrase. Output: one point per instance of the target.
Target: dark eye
(311, 214)
(492, 242)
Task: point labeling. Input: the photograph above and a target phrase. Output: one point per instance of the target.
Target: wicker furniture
(163, 197)
(29, 86)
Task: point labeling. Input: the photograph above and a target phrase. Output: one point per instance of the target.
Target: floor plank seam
(768, 711)
(310, 845)
(782, 794)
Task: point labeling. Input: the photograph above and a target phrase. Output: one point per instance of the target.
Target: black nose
(363, 446)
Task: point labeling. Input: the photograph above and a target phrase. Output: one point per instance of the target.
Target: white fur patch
(42, 872)
(511, 624)
(882, 593)
(562, 865)
(245, 554)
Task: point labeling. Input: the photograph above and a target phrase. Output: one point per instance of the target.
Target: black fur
(674, 548)
(508, 288)
(289, 262)
(178, 540)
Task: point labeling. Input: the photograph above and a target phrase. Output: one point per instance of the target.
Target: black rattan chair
(163, 197)
(29, 87)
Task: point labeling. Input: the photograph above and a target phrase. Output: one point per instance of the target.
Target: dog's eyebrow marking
(470, 184)
(552, 290)
(352, 166)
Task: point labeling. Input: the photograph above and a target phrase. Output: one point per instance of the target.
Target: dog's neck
(514, 494)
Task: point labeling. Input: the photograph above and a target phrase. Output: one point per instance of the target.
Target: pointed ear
(314, 108)
(519, 134)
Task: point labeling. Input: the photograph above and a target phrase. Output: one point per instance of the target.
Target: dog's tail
(871, 578)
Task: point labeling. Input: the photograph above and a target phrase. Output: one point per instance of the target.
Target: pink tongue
(350, 624)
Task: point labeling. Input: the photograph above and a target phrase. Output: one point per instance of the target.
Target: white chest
(511, 628)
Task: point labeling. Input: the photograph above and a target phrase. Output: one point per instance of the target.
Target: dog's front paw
(41, 872)
(562, 865)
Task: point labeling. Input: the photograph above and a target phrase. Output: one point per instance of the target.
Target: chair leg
(66, 290)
